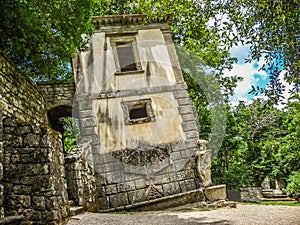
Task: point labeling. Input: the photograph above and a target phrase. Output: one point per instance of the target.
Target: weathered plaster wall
(22, 99)
(137, 162)
(116, 135)
(100, 61)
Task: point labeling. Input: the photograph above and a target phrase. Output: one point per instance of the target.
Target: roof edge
(129, 19)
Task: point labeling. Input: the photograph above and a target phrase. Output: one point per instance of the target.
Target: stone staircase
(274, 195)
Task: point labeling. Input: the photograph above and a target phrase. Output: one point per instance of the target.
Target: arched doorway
(61, 119)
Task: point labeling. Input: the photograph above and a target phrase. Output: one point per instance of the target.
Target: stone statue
(203, 161)
(265, 185)
(279, 184)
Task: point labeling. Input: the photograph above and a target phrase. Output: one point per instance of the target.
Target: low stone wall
(34, 174)
(80, 178)
(251, 194)
(22, 99)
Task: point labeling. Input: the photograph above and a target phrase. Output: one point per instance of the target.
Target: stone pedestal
(215, 193)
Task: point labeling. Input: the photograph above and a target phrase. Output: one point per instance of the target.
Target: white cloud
(248, 71)
(251, 76)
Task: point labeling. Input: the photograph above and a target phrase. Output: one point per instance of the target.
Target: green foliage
(294, 183)
(260, 140)
(270, 27)
(189, 28)
(71, 133)
(41, 37)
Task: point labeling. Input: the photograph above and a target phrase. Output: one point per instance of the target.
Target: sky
(251, 73)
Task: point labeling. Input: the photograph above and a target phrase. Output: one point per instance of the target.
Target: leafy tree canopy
(271, 27)
(189, 26)
(41, 36)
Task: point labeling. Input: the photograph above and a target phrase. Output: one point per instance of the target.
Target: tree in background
(41, 37)
(260, 140)
(270, 27)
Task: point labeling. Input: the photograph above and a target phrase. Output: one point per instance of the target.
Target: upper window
(126, 57)
(126, 54)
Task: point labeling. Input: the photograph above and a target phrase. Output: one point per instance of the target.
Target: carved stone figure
(203, 160)
(266, 183)
(279, 185)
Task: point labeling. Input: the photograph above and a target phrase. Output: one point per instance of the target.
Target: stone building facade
(133, 102)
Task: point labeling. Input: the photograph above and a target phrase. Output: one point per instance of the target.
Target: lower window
(139, 111)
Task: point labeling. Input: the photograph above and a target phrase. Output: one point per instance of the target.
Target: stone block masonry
(1, 165)
(57, 94)
(34, 175)
(21, 97)
(80, 178)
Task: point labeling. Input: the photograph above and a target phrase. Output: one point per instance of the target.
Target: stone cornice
(129, 19)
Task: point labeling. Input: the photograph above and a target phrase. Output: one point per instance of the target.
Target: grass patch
(286, 203)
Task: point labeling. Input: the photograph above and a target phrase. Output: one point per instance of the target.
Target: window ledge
(129, 72)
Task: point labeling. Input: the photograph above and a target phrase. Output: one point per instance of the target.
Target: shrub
(293, 186)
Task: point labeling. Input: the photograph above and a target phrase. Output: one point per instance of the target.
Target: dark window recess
(126, 57)
(138, 113)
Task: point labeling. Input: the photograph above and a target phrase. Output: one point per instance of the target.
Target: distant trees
(261, 140)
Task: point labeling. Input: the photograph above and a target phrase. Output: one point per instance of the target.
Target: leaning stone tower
(134, 106)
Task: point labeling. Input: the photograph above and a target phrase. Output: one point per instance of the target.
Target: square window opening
(137, 112)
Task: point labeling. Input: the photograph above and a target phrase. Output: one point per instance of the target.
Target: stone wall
(22, 98)
(34, 174)
(251, 194)
(80, 177)
(57, 94)
(1, 165)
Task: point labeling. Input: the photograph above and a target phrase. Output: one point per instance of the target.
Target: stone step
(76, 210)
(163, 202)
(209, 194)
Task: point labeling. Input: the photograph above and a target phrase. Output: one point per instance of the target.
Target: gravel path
(243, 214)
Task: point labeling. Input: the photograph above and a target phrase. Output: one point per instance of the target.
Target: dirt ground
(243, 214)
